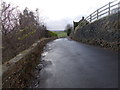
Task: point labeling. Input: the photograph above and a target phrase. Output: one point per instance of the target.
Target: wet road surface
(75, 65)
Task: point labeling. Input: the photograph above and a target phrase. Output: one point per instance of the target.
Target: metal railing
(108, 9)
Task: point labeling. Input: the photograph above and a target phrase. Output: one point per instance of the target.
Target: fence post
(118, 6)
(97, 13)
(90, 18)
(109, 8)
(118, 14)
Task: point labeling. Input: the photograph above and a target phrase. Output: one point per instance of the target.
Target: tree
(9, 18)
(19, 30)
(68, 29)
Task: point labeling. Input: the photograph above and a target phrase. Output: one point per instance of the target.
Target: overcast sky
(58, 13)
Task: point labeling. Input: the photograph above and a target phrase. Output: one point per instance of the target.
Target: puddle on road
(61, 39)
(39, 73)
(40, 68)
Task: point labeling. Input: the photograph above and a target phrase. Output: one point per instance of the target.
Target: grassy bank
(61, 34)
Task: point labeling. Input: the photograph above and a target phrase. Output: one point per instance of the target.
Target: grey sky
(58, 13)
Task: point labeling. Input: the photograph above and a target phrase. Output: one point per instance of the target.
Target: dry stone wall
(18, 71)
(104, 32)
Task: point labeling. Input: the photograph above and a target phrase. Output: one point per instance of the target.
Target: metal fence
(108, 9)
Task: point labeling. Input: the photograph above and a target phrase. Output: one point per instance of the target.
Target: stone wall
(104, 32)
(18, 71)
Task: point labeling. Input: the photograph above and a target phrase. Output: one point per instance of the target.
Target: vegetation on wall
(68, 29)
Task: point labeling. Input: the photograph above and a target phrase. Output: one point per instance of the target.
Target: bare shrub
(19, 30)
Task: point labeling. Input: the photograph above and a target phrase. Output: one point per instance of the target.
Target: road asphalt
(72, 64)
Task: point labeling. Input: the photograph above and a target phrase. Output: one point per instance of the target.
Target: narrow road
(76, 65)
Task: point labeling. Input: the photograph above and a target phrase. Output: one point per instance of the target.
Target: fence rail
(108, 9)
